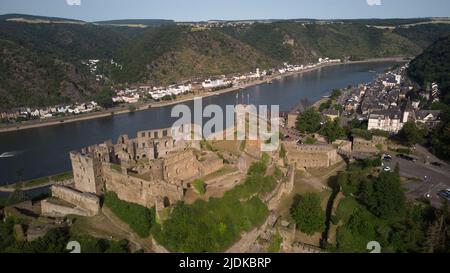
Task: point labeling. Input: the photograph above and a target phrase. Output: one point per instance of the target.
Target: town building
(387, 120)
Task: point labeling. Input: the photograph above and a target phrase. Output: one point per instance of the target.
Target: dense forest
(42, 62)
(375, 207)
(296, 43)
(434, 66)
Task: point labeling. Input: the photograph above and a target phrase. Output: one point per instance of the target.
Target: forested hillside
(295, 42)
(42, 61)
(166, 55)
(434, 66)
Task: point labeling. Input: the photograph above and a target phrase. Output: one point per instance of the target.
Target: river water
(45, 151)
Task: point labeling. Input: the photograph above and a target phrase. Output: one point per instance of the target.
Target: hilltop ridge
(44, 62)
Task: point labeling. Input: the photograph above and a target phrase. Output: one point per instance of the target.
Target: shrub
(308, 214)
(199, 185)
(214, 225)
(310, 141)
(139, 218)
(282, 153)
(367, 135)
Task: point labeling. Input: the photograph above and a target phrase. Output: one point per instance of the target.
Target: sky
(198, 10)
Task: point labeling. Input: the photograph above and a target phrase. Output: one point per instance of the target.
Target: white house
(390, 120)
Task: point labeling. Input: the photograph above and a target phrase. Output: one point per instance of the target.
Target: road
(437, 178)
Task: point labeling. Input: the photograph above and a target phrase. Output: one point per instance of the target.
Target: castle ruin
(153, 169)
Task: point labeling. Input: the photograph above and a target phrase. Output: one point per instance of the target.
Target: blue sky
(195, 10)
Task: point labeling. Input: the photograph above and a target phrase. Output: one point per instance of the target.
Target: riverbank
(62, 178)
(124, 109)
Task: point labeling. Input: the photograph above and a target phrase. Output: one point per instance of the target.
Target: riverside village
(137, 95)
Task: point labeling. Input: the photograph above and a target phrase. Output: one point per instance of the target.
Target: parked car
(445, 194)
(387, 157)
(437, 164)
(387, 169)
(406, 157)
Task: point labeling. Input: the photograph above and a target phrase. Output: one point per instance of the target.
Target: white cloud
(73, 2)
(374, 2)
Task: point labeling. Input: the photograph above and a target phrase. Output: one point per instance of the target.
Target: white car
(387, 169)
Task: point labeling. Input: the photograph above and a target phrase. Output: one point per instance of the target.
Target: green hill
(137, 22)
(42, 61)
(433, 65)
(168, 54)
(424, 35)
(37, 19)
(296, 42)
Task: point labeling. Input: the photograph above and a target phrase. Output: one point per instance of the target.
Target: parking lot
(428, 180)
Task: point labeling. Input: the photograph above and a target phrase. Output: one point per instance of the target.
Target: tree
(384, 197)
(438, 237)
(132, 108)
(333, 130)
(308, 214)
(199, 185)
(440, 137)
(309, 121)
(16, 197)
(351, 181)
(411, 134)
(336, 94)
(282, 152)
(360, 223)
(435, 241)
(339, 107)
(324, 106)
(104, 98)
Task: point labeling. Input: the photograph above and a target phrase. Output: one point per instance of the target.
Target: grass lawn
(116, 167)
(301, 187)
(98, 226)
(225, 170)
(230, 146)
(275, 245)
(347, 206)
(350, 241)
(43, 181)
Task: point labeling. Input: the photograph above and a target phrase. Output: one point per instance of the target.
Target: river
(45, 151)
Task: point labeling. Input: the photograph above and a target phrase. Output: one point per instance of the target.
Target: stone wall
(291, 120)
(181, 167)
(51, 209)
(211, 164)
(361, 145)
(86, 172)
(253, 148)
(283, 188)
(311, 156)
(135, 190)
(249, 238)
(86, 201)
(344, 146)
